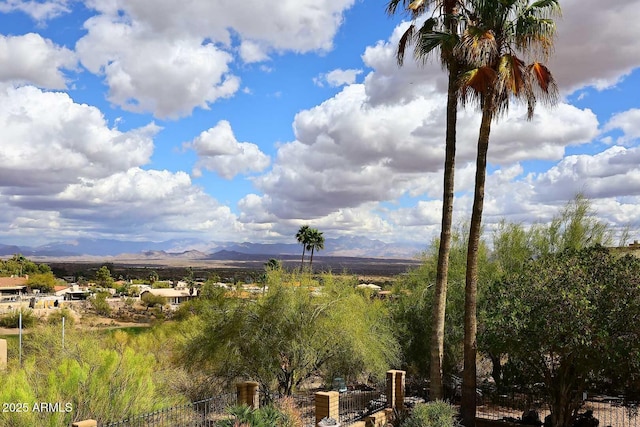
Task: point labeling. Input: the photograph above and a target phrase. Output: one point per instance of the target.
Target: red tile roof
(12, 281)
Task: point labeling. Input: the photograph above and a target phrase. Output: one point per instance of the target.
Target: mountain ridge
(345, 246)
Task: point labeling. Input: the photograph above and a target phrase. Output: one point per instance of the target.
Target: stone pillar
(253, 397)
(3, 355)
(85, 423)
(391, 389)
(247, 394)
(399, 384)
(395, 388)
(327, 405)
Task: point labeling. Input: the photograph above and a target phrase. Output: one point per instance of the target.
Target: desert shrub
(291, 416)
(432, 414)
(12, 319)
(266, 416)
(100, 304)
(55, 318)
(150, 300)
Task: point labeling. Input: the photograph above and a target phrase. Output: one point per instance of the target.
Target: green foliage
(45, 282)
(55, 318)
(12, 319)
(412, 312)
(576, 227)
(564, 322)
(273, 264)
(432, 414)
(266, 416)
(150, 300)
(294, 332)
(161, 284)
(18, 265)
(103, 277)
(210, 295)
(100, 304)
(101, 377)
(514, 248)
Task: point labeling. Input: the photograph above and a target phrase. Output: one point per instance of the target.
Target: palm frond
(552, 7)
(428, 42)
(416, 5)
(543, 83)
(475, 83)
(541, 75)
(511, 75)
(477, 46)
(406, 38)
(392, 6)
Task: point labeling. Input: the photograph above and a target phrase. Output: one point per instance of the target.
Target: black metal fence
(203, 413)
(609, 411)
(354, 405)
(306, 405)
(358, 404)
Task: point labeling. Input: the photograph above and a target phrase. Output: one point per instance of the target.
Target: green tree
(18, 265)
(413, 307)
(289, 335)
(45, 282)
(150, 300)
(103, 277)
(273, 264)
(315, 242)
(438, 33)
(497, 31)
(103, 377)
(565, 321)
(576, 227)
(100, 304)
(302, 236)
(153, 277)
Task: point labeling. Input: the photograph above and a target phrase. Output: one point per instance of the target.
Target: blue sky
(156, 119)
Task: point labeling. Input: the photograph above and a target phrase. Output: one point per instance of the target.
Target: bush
(55, 318)
(12, 320)
(281, 415)
(432, 414)
(100, 304)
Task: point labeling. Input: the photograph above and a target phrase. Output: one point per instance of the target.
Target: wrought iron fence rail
(358, 404)
(609, 411)
(202, 413)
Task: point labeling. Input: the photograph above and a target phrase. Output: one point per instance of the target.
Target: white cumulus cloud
(38, 10)
(49, 142)
(337, 77)
(218, 150)
(148, 73)
(32, 59)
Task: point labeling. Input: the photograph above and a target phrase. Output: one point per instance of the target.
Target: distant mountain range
(361, 247)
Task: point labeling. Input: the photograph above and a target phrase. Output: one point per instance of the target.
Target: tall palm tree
(316, 242)
(497, 32)
(439, 33)
(303, 238)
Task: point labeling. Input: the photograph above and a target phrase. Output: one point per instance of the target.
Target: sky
(241, 121)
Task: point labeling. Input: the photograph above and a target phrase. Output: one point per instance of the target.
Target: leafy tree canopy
(565, 322)
(45, 282)
(296, 330)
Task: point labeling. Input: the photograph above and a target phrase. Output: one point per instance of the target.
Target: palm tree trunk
(311, 260)
(439, 309)
(468, 403)
(302, 261)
